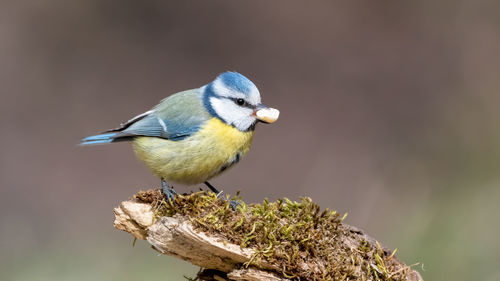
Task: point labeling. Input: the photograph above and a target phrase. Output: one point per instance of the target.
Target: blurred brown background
(389, 111)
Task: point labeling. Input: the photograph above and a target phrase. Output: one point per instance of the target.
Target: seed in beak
(267, 115)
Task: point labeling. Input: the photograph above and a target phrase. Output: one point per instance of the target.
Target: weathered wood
(176, 236)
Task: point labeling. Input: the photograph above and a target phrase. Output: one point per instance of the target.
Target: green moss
(305, 242)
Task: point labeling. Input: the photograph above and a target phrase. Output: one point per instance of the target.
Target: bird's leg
(232, 203)
(168, 191)
(214, 190)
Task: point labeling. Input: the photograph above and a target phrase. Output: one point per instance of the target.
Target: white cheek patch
(232, 114)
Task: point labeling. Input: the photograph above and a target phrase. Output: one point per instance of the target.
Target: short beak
(266, 114)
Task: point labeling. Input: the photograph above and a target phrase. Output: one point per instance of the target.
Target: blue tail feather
(99, 139)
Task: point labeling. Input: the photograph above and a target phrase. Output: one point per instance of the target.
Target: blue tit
(192, 136)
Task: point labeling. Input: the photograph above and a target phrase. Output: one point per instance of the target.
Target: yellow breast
(215, 147)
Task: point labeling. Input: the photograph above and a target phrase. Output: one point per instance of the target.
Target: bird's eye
(240, 101)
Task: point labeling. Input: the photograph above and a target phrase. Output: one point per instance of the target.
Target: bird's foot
(232, 203)
(168, 191)
(169, 194)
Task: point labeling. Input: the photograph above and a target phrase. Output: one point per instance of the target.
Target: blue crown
(237, 82)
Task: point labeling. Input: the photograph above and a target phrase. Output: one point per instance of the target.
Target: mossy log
(280, 240)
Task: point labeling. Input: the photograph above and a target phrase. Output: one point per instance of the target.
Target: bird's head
(234, 99)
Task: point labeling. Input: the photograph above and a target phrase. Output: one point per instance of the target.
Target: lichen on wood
(281, 240)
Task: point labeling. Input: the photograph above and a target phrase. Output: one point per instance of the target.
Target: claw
(234, 204)
(169, 194)
(168, 191)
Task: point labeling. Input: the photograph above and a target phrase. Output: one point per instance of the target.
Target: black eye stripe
(241, 102)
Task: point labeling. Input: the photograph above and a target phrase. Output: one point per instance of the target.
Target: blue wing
(174, 118)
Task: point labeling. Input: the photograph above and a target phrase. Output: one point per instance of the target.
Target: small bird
(194, 135)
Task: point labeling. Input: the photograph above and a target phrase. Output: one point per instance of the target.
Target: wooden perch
(199, 238)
